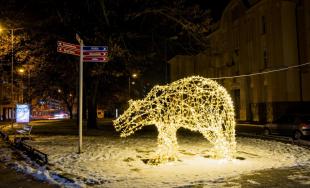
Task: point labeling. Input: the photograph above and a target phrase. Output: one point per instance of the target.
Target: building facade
(257, 36)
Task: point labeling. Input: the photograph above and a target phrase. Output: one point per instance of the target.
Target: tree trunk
(70, 112)
(92, 105)
(92, 114)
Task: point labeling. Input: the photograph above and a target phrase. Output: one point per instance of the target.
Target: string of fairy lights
(261, 73)
(195, 103)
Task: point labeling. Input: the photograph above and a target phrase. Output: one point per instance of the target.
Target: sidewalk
(11, 178)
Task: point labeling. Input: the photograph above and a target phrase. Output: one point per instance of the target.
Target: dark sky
(35, 8)
(216, 6)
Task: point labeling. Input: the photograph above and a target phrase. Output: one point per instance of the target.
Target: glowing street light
(134, 76)
(21, 70)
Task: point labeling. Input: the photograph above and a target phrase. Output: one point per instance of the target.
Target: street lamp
(134, 75)
(12, 62)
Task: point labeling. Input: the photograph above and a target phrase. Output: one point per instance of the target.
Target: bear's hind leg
(221, 147)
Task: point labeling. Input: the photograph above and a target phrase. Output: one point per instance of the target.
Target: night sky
(142, 35)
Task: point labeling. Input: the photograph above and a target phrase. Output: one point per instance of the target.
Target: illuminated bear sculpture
(194, 103)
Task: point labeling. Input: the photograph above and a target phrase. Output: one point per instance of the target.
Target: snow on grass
(110, 161)
(23, 164)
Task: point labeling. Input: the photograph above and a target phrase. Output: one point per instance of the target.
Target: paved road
(292, 177)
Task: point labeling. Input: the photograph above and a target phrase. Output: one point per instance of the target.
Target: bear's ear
(156, 87)
(130, 102)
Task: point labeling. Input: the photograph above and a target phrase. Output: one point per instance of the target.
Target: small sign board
(22, 113)
(95, 53)
(64, 47)
(95, 48)
(68, 51)
(95, 59)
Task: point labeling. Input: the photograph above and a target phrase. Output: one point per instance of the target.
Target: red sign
(95, 53)
(68, 51)
(68, 48)
(90, 53)
(95, 59)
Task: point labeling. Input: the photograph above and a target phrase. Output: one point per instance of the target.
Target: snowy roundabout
(181, 158)
(109, 161)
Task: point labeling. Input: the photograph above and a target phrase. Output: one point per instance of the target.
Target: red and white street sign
(68, 48)
(90, 53)
(95, 59)
(68, 51)
(95, 53)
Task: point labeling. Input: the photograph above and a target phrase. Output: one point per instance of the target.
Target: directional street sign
(68, 48)
(68, 51)
(68, 45)
(95, 59)
(95, 53)
(87, 54)
(95, 48)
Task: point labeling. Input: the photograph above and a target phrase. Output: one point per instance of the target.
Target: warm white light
(134, 75)
(1, 29)
(21, 70)
(195, 103)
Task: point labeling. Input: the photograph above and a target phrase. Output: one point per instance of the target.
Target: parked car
(296, 126)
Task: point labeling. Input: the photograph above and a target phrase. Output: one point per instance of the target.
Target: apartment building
(257, 36)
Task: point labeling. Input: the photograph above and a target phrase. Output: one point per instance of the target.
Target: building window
(263, 25)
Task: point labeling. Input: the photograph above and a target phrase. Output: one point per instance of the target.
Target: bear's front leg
(167, 145)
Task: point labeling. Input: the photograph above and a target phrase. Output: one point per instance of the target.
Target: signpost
(80, 95)
(95, 54)
(95, 48)
(87, 54)
(64, 47)
(95, 59)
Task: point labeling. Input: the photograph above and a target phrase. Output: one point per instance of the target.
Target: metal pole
(22, 84)
(81, 99)
(28, 99)
(129, 87)
(12, 69)
(165, 63)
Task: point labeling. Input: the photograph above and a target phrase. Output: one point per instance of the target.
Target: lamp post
(28, 68)
(12, 64)
(22, 71)
(134, 75)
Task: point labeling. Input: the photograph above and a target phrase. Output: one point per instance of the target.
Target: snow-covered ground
(110, 161)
